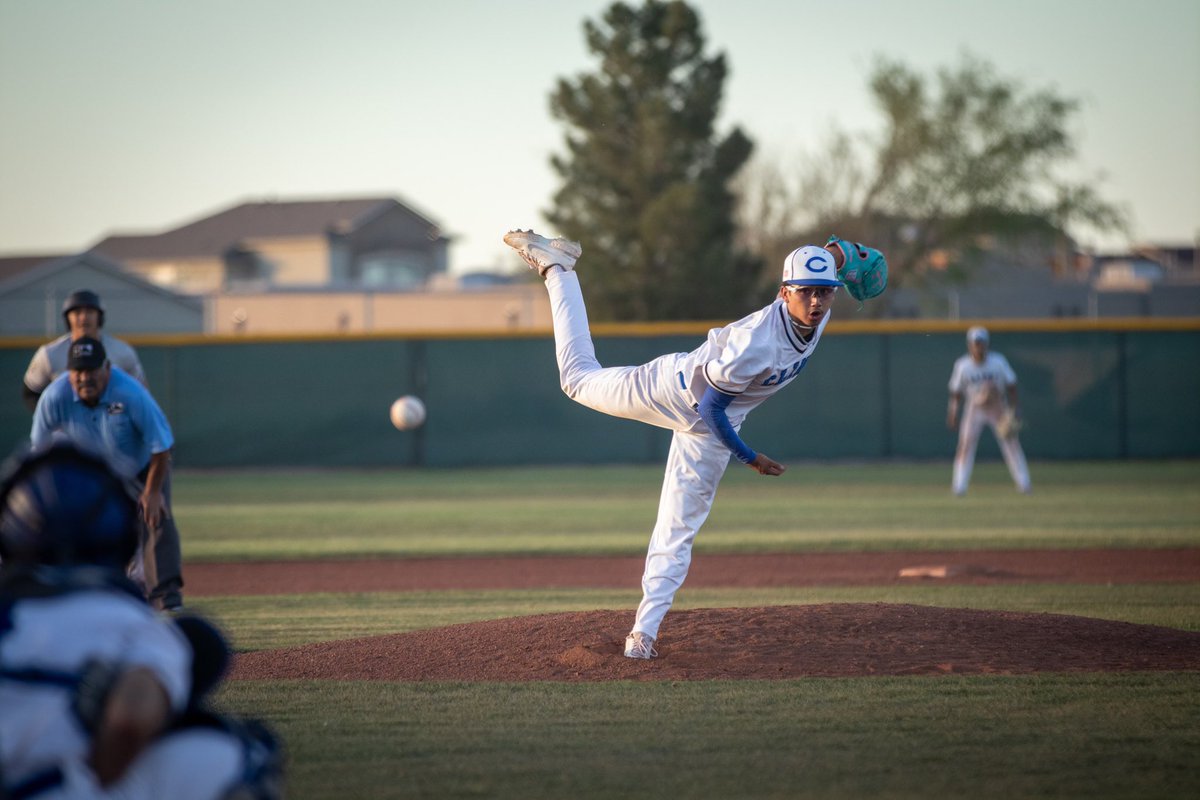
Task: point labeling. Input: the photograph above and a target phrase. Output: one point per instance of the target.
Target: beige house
(511, 308)
(365, 243)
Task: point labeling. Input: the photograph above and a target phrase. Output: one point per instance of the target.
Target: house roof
(12, 266)
(47, 268)
(213, 235)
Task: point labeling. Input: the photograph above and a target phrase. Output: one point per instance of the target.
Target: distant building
(486, 280)
(355, 266)
(1149, 281)
(503, 307)
(1035, 275)
(33, 288)
(1126, 273)
(366, 243)
(1178, 261)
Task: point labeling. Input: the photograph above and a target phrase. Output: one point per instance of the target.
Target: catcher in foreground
(984, 385)
(703, 396)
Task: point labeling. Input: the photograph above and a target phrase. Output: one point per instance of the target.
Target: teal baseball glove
(864, 270)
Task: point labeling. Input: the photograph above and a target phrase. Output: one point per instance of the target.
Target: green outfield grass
(1096, 736)
(610, 510)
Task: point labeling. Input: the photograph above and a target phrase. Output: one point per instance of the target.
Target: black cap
(84, 298)
(86, 353)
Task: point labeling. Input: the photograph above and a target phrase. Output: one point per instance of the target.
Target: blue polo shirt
(126, 425)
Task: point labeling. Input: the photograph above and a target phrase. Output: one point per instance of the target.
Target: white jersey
(751, 359)
(57, 636)
(50, 361)
(982, 384)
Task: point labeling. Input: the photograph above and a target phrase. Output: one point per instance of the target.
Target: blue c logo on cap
(808, 265)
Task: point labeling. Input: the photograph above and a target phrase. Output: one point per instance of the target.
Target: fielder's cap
(86, 353)
(810, 266)
(978, 333)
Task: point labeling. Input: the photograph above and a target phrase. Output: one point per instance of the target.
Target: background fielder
(703, 396)
(984, 386)
(83, 313)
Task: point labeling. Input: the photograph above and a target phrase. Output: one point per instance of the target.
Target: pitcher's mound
(852, 639)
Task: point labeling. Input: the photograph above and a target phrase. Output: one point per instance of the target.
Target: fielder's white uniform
(44, 643)
(752, 359)
(50, 360)
(983, 388)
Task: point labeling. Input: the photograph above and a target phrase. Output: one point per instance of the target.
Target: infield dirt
(848, 639)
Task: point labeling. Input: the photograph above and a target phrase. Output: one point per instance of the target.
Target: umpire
(104, 408)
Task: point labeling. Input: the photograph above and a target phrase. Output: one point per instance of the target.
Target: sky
(137, 116)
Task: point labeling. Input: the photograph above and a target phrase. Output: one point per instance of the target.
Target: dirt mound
(833, 640)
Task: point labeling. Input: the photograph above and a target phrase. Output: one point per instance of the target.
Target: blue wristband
(712, 411)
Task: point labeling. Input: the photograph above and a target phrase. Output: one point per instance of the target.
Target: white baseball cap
(978, 333)
(810, 266)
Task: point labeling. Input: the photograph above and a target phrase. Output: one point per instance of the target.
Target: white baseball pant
(975, 416)
(695, 464)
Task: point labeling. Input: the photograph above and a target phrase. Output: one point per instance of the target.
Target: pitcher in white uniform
(984, 386)
(703, 396)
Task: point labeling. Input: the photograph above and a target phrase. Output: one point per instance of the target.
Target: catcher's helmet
(82, 299)
(62, 505)
(810, 266)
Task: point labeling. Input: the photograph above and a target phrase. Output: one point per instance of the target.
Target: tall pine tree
(645, 180)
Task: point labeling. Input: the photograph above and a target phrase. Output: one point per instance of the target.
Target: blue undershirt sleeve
(712, 411)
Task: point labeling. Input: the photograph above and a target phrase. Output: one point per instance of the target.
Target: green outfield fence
(1091, 389)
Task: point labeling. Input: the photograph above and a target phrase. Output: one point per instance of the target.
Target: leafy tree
(645, 181)
(965, 158)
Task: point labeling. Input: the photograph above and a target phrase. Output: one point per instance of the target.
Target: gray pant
(162, 558)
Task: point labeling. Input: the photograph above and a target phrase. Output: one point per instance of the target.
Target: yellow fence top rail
(652, 329)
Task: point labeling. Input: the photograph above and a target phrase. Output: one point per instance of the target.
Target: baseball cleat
(639, 645)
(541, 253)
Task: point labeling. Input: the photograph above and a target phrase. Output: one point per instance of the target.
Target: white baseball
(408, 412)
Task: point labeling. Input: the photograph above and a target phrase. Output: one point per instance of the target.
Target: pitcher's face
(808, 305)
